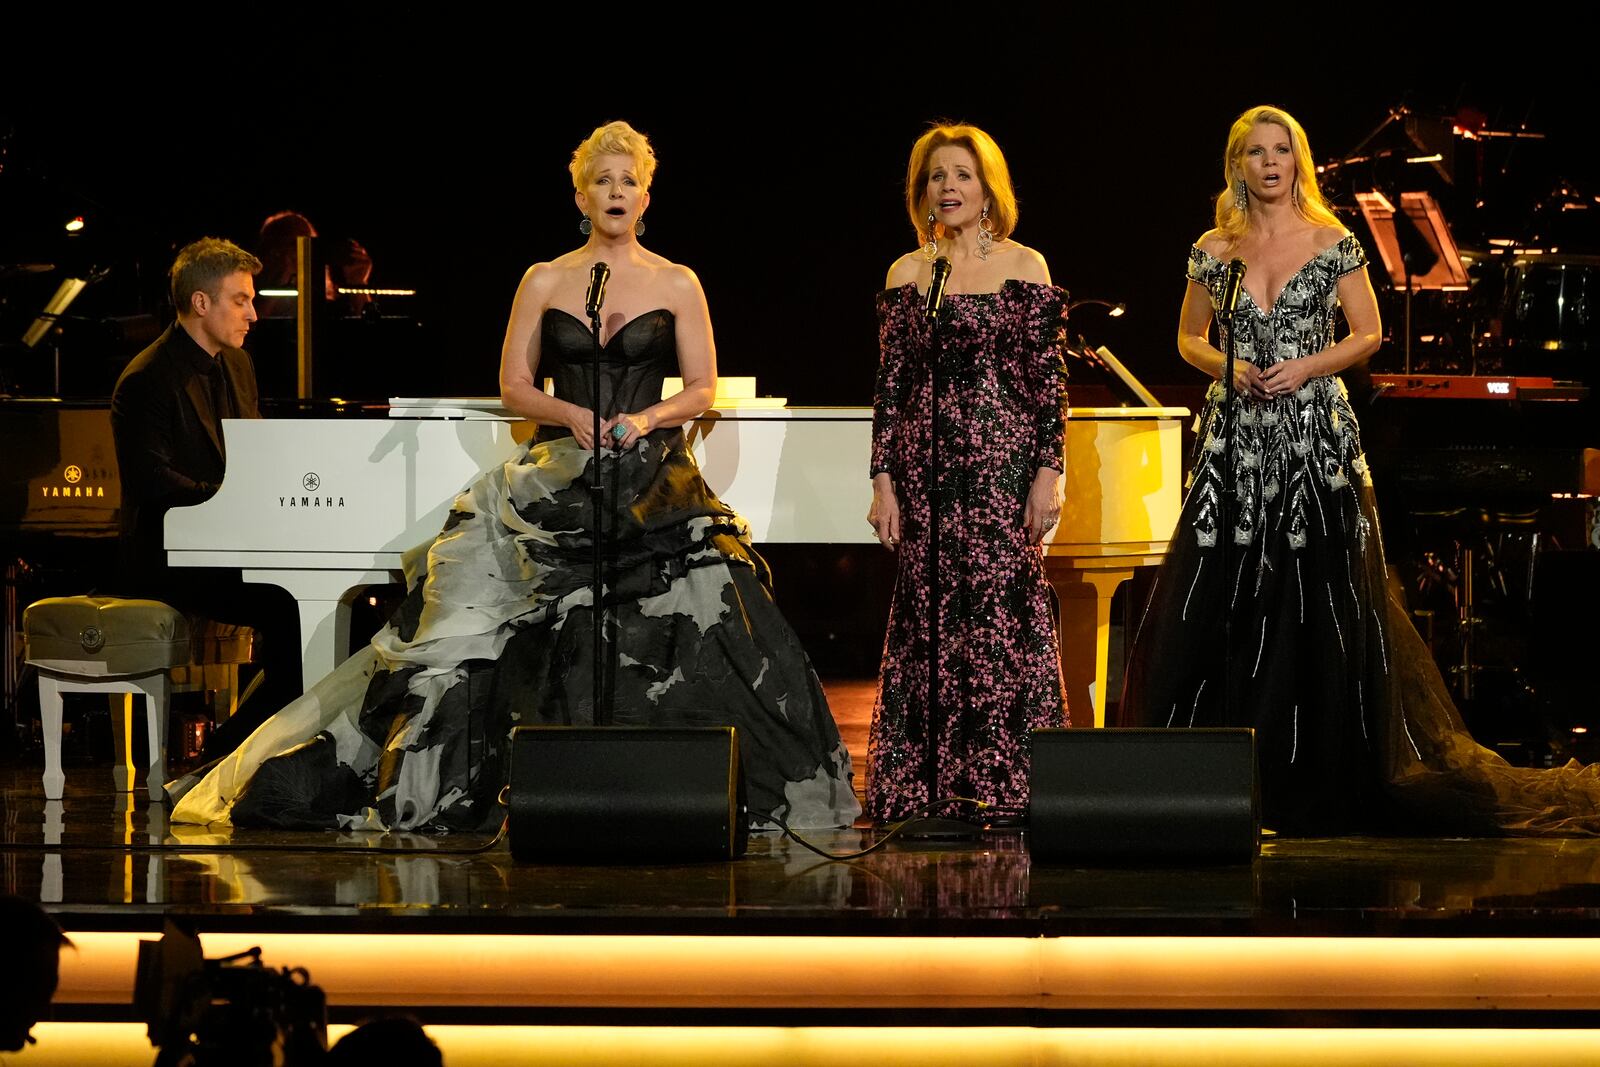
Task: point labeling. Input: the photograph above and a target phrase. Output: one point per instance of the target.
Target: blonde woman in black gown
(497, 628)
(1354, 726)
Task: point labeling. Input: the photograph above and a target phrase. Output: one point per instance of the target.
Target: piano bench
(216, 652)
(82, 644)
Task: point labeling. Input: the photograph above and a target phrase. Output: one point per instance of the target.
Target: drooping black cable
(893, 832)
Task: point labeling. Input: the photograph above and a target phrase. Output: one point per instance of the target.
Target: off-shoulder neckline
(1339, 244)
(952, 296)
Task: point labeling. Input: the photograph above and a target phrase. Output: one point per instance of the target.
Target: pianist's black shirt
(166, 418)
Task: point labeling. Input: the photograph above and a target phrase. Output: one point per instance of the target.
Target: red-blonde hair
(993, 175)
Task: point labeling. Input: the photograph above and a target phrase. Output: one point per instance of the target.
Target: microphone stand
(935, 827)
(597, 494)
(1228, 500)
(935, 500)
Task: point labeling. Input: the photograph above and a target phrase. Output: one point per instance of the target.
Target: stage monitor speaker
(1144, 796)
(612, 794)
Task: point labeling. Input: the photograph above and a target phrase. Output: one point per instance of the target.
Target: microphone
(941, 275)
(1231, 287)
(598, 275)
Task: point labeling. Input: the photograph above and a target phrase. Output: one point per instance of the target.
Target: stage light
(278, 292)
(75, 225)
(1115, 311)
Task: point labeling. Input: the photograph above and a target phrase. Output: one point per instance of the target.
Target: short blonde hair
(613, 139)
(1232, 220)
(993, 175)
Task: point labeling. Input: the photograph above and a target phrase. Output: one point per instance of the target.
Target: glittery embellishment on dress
(1303, 504)
(1001, 414)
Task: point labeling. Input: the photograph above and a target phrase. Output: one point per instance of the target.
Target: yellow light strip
(120, 1044)
(1261, 973)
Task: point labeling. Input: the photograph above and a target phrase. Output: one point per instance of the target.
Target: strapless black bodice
(633, 362)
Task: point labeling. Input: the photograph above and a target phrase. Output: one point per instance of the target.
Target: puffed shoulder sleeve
(897, 337)
(1042, 339)
(1349, 256)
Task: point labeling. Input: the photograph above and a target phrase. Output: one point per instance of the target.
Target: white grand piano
(326, 507)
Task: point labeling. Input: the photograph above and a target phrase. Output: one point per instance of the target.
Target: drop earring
(985, 233)
(931, 248)
(1241, 196)
(638, 226)
(585, 227)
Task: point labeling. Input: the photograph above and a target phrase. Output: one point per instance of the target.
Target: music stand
(1416, 247)
(53, 313)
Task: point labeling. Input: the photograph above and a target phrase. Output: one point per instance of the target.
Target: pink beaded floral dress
(1001, 413)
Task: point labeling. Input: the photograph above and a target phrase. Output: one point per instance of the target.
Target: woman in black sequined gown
(497, 628)
(1354, 726)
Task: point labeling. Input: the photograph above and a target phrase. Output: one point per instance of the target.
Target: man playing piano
(166, 417)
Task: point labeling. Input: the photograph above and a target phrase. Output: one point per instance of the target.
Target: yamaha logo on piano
(311, 482)
(73, 484)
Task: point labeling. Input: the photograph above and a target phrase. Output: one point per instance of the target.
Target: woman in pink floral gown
(999, 436)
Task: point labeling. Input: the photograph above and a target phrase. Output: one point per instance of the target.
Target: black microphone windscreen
(597, 288)
(1232, 284)
(941, 276)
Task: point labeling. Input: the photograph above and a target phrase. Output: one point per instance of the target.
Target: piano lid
(487, 408)
(351, 487)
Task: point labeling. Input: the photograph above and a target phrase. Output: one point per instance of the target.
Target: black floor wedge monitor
(1144, 796)
(626, 794)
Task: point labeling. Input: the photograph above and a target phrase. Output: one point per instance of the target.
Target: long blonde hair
(993, 175)
(1232, 220)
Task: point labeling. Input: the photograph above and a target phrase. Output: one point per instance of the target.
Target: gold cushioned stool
(91, 644)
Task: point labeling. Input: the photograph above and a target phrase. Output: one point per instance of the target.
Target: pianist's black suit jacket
(166, 418)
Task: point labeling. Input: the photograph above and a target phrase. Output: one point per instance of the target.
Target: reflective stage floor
(112, 861)
(1369, 950)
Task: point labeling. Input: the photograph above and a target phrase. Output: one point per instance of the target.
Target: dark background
(782, 135)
